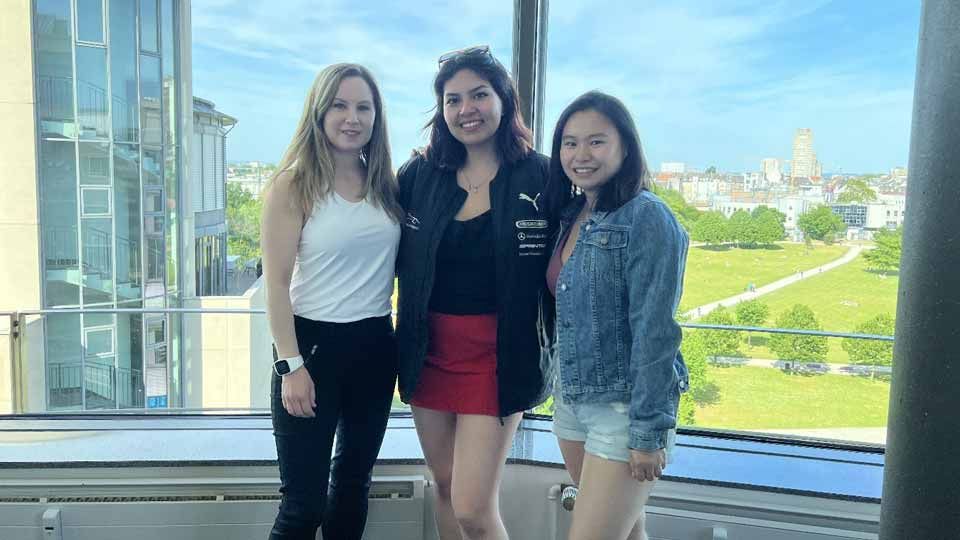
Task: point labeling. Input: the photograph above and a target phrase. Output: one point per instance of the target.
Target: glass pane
(169, 62)
(123, 71)
(58, 221)
(54, 68)
(170, 144)
(97, 260)
(153, 225)
(148, 26)
(152, 168)
(173, 358)
(64, 362)
(130, 360)
(90, 20)
(99, 342)
(152, 202)
(95, 201)
(154, 257)
(150, 99)
(126, 178)
(92, 92)
(94, 164)
(98, 319)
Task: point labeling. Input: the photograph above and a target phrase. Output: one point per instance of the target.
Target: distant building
(208, 180)
(771, 170)
(673, 167)
(804, 163)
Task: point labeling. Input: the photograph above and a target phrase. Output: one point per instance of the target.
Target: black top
(430, 198)
(466, 270)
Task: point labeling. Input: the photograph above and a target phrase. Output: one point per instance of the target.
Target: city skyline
(722, 86)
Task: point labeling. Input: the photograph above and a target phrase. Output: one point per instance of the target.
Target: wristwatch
(283, 366)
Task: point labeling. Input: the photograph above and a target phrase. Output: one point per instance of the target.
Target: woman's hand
(298, 394)
(647, 466)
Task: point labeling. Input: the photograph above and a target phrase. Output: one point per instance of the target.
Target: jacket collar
(569, 213)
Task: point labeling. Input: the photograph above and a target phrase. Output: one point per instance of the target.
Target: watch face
(281, 367)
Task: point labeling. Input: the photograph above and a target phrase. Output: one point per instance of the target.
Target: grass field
(842, 299)
(717, 273)
(763, 398)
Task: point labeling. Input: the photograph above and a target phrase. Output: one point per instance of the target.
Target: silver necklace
(470, 186)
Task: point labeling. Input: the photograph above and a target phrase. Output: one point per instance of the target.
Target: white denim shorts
(604, 428)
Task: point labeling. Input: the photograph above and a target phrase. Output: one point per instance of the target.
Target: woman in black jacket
(472, 258)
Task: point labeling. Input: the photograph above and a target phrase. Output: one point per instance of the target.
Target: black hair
(633, 175)
(513, 137)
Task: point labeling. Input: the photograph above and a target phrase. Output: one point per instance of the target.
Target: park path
(831, 368)
(700, 311)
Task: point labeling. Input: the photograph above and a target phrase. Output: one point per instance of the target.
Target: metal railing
(122, 376)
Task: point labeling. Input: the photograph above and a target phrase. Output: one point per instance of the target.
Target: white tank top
(345, 262)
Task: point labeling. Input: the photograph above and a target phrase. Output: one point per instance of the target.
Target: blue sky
(722, 83)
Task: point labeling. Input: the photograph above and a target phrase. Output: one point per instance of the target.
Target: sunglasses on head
(478, 50)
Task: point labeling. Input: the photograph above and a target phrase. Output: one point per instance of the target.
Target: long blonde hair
(310, 157)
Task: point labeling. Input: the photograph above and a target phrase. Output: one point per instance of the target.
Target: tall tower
(804, 158)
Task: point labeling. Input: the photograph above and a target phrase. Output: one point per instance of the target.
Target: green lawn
(751, 398)
(841, 299)
(717, 273)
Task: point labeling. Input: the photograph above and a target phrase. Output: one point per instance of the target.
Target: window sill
(246, 440)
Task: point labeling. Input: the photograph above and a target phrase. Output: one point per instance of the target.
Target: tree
(857, 191)
(768, 223)
(821, 224)
(694, 350)
(243, 223)
(686, 214)
(721, 342)
(795, 347)
(885, 257)
(711, 170)
(743, 229)
(752, 313)
(871, 352)
(711, 228)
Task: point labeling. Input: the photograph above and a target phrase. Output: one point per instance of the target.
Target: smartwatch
(284, 366)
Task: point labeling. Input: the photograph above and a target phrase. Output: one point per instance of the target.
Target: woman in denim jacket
(616, 274)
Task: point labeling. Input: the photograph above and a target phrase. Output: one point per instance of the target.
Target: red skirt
(460, 372)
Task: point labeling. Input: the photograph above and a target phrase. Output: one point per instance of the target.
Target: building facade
(97, 196)
(804, 163)
(208, 184)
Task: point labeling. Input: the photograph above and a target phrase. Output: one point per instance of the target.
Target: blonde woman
(330, 234)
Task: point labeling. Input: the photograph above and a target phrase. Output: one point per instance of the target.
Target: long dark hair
(513, 137)
(633, 176)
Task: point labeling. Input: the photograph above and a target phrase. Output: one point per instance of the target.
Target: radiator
(718, 521)
(187, 509)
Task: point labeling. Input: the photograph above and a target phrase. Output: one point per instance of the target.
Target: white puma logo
(533, 201)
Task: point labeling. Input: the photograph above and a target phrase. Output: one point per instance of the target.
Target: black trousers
(354, 369)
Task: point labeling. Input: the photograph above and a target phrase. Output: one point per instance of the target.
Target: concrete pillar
(921, 484)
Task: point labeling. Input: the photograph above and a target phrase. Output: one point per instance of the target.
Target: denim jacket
(616, 336)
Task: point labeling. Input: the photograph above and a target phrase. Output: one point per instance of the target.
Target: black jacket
(431, 198)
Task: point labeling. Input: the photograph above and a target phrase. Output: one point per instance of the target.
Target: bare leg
(482, 444)
(610, 504)
(436, 430)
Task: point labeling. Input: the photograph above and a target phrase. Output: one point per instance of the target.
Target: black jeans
(354, 369)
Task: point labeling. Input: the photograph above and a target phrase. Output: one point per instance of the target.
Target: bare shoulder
(281, 191)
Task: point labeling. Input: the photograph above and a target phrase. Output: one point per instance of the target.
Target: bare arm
(280, 237)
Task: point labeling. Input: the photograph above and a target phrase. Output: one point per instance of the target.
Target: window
(123, 71)
(90, 21)
(92, 103)
(148, 26)
(691, 80)
(59, 212)
(96, 201)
